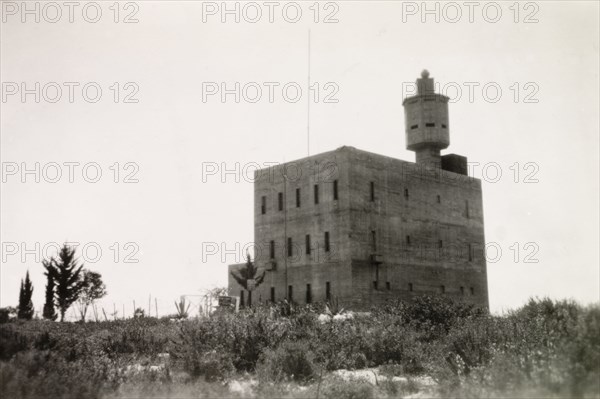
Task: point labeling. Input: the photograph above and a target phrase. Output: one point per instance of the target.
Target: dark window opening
(373, 240)
(443, 126)
(335, 190)
(372, 191)
(413, 127)
(272, 249)
(440, 244)
(388, 286)
(316, 194)
(408, 240)
(273, 294)
(327, 291)
(308, 294)
(374, 285)
(430, 125)
(290, 293)
(472, 291)
(410, 287)
(289, 246)
(307, 243)
(263, 205)
(406, 193)
(443, 289)
(327, 248)
(462, 290)
(297, 198)
(280, 201)
(439, 199)
(470, 253)
(242, 302)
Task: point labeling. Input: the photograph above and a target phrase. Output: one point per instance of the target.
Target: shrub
(290, 361)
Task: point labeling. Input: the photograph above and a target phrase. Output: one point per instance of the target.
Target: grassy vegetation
(433, 346)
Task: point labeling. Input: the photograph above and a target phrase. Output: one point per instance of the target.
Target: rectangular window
(407, 240)
(263, 205)
(327, 291)
(375, 284)
(430, 125)
(327, 241)
(273, 294)
(242, 302)
(406, 193)
(462, 290)
(290, 293)
(280, 201)
(297, 198)
(308, 294)
(289, 246)
(439, 199)
(472, 291)
(272, 249)
(442, 289)
(410, 287)
(440, 244)
(470, 253)
(372, 191)
(388, 286)
(443, 126)
(373, 240)
(316, 194)
(413, 127)
(335, 190)
(307, 243)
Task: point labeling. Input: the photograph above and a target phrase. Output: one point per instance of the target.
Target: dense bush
(292, 360)
(544, 349)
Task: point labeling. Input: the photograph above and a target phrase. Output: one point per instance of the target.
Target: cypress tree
(25, 311)
(49, 307)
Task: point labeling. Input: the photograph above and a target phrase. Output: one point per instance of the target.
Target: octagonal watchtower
(426, 119)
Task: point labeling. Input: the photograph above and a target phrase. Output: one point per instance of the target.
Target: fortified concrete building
(365, 227)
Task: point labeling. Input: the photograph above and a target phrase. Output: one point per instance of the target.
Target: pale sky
(546, 120)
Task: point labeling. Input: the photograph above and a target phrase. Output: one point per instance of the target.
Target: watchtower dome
(426, 119)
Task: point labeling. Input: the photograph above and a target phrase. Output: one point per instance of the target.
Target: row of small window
(280, 205)
(441, 289)
(307, 243)
(290, 294)
(309, 293)
(413, 127)
(316, 197)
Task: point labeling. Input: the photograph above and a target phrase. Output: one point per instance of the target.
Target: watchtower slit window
(316, 190)
(272, 249)
(273, 294)
(372, 187)
(327, 246)
(280, 201)
(335, 190)
(307, 243)
(297, 198)
(327, 290)
(308, 294)
(289, 246)
(263, 205)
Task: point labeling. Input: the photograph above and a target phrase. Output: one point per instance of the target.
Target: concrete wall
(350, 221)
